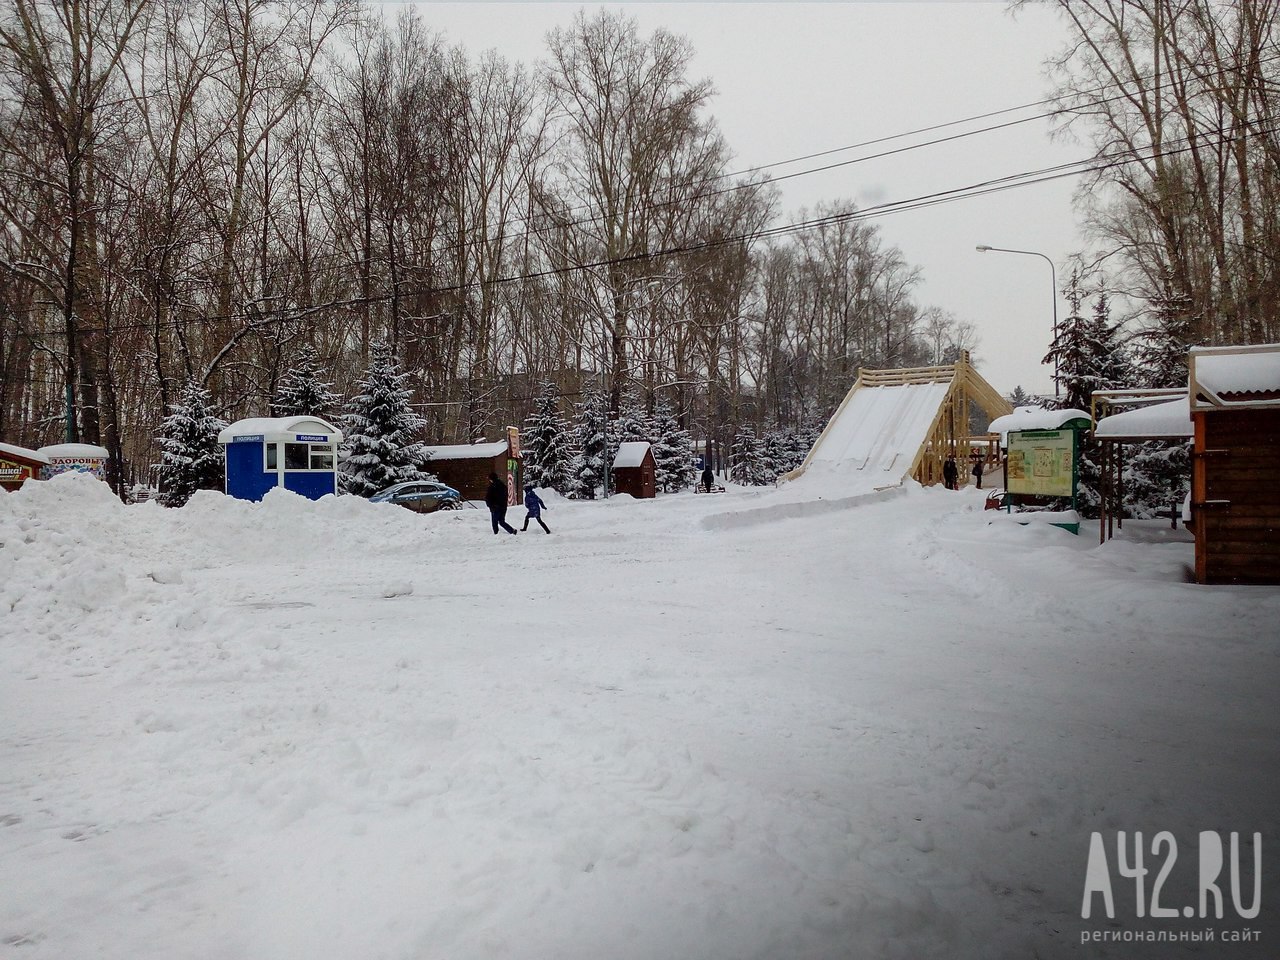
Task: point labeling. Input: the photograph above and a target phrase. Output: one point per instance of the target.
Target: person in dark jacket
(534, 505)
(708, 478)
(495, 499)
(977, 472)
(949, 473)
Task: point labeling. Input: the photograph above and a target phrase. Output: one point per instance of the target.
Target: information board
(1042, 463)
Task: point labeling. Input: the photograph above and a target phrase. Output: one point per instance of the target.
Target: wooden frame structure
(948, 433)
(1103, 404)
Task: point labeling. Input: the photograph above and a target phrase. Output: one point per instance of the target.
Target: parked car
(421, 496)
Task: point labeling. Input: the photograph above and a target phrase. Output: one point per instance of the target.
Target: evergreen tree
(631, 424)
(1088, 352)
(547, 450)
(301, 392)
(1071, 352)
(1020, 398)
(192, 457)
(1157, 473)
(1112, 367)
(781, 453)
(1161, 354)
(748, 462)
(382, 432)
(672, 451)
(588, 469)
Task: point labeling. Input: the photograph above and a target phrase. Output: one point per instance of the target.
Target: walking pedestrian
(708, 478)
(534, 506)
(977, 473)
(495, 499)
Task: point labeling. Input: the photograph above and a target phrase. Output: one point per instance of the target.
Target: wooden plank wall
(1236, 496)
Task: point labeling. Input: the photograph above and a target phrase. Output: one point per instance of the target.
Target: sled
(701, 489)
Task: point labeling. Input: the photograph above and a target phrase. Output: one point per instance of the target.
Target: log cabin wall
(1235, 492)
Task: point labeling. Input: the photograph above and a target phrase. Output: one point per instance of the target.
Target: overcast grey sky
(799, 78)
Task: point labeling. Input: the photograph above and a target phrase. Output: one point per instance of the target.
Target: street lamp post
(1053, 274)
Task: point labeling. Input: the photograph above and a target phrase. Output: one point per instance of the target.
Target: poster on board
(1042, 463)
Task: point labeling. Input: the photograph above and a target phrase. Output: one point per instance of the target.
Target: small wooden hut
(466, 466)
(1235, 468)
(635, 471)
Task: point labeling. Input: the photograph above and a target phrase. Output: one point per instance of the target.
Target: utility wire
(979, 189)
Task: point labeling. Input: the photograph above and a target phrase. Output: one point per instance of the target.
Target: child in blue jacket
(533, 503)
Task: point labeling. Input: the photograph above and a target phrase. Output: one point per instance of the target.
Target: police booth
(297, 453)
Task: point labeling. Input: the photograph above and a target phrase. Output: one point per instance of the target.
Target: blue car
(421, 496)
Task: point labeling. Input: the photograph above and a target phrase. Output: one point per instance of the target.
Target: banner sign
(513, 441)
(251, 438)
(312, 437)
(1042, 463)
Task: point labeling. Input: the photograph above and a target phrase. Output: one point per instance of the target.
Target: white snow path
(884, 731)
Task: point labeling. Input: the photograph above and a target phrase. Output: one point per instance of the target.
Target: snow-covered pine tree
(192, 458)
(1090, 356)
(587, 473)
(748, 463)
(1089, 351)
(672, 451)
(1158, 472)
(1157, 475)
(632, 423)
(1112, 366)
(547, 449)
(302, 392)
(1161, 351)
(383, 444)
(779, 451)
(1071, 353)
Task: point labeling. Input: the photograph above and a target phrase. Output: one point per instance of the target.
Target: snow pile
(336, 729)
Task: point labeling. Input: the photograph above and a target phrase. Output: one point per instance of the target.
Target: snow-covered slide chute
(895, 424)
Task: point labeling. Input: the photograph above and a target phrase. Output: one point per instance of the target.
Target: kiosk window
(273, 456)
(321, 457)
(295, 456)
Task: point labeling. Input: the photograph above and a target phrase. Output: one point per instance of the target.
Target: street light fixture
(1053, 273)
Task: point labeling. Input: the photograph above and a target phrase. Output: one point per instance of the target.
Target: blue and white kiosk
(297, 453)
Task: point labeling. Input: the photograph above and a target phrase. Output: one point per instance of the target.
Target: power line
(981, 188)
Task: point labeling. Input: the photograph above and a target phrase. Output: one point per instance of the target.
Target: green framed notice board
(1043, 463)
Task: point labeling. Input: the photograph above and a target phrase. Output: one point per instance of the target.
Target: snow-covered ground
(720, 727)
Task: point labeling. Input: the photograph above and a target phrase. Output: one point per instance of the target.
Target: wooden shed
(1235, 467)
(18, 465)
(466, 466)
(635, 471)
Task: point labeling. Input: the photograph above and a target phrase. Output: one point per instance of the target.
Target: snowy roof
(1171, 419)
(1035, 418)
(73, 451)
(1235, 376)
(280, 429)
(467, 451)
(23, 452)
(630, 454)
